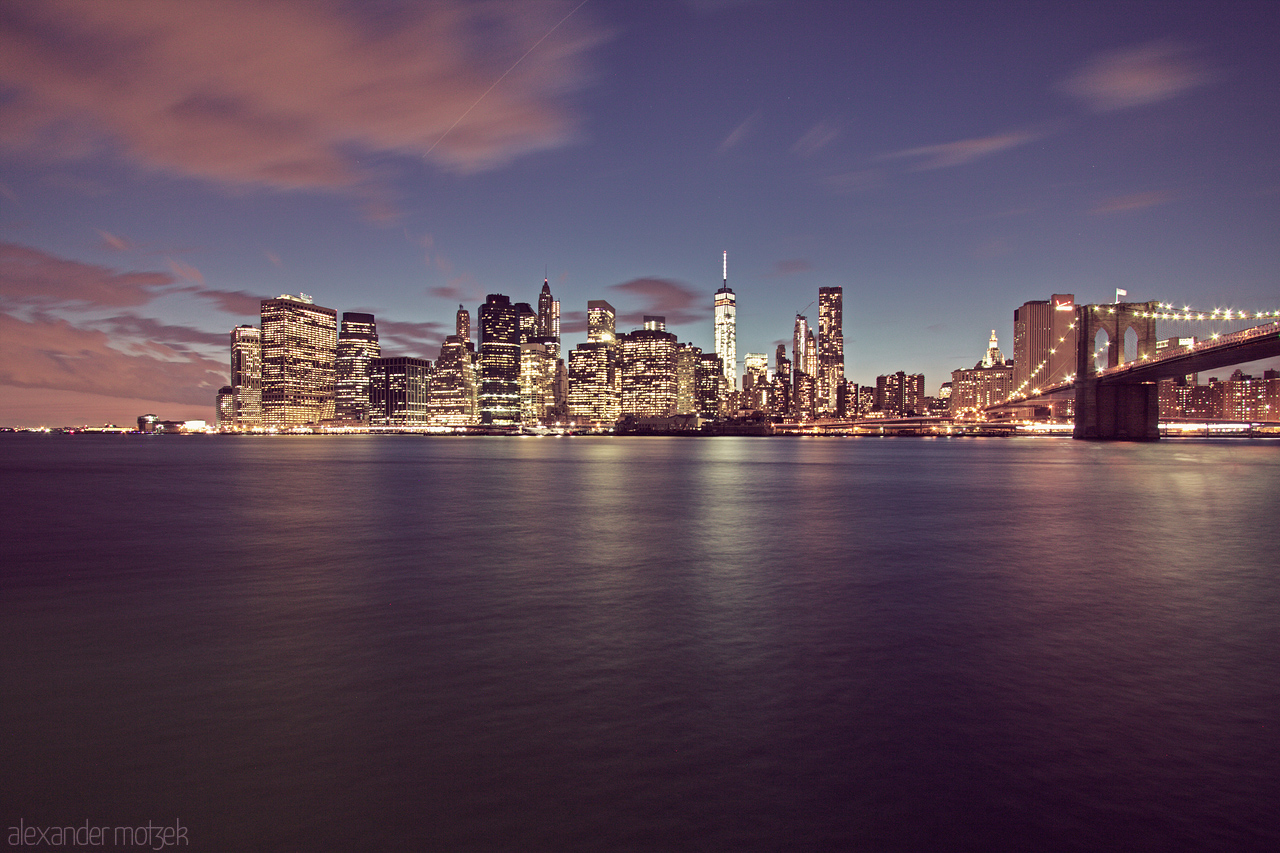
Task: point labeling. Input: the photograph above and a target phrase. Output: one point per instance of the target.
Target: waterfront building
(900, 395)
(648, 362)
(1044, 343)
(246, 378)
(726, 329)
(594, 393)
(537, 375)
(357, 345)
(299, 344)
(805, 391)
(452, 397)
(601, 322)
(499, 398)
(830, 348)
(755, 381)
(687, 358)
(400, 392)
(1246, 398)
(224, 408)
(973, 390)
(709, 381)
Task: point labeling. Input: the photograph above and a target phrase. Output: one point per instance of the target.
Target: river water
(467, 644)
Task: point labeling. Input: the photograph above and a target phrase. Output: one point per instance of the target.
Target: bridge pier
(1117, 412)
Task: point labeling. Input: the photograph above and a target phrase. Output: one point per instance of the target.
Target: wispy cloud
(241, 303)
(420, 338)
(52, 353)
(679, 302)
(815, 139)
(1135, 201)
(180, 338)
(31, 277)
(963, 151)
(1146, 74)
(791, 266)
(289, 95)
(739, 133)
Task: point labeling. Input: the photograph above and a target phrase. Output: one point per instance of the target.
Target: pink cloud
(680, 303)
(420, 338)
(54, 354)
(962, 151)
(238, 302)
(31, 277)
(288, 95)
(1136, 201)
(1136, 76)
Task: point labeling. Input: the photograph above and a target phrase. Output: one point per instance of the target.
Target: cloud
(1146, 74)
(238, 302)
(853, 181)
(962, 151)
(738, 134)
(680, 303)
(815, 139)
(181, 338)
(1136, 201)
(416, 337)
(791, 266)
(290, 95)
(186, 272)
(113, 242)
(52, 353)
(34, 278)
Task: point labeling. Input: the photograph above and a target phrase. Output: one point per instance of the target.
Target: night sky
(164, 166)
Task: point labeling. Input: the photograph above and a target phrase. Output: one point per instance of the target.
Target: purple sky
(163, 166)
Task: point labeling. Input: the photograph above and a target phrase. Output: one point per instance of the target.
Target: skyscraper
(648, 373)
(399, 391)
(246, 378)
(726, 329)
(462, 322)
(687, 358)
(1044, 342)
(549, 318)
(453, 387)
(528, 321)
(601, 321)
(357, 345)
(299, 343)
(499, 398)
(593, 383)
(830, 346)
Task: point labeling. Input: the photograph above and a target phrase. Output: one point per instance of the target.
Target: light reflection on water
(395, 642)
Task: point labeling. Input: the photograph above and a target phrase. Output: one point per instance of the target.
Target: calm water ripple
(403, 643)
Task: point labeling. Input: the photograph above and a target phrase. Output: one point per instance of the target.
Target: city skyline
(942, 165)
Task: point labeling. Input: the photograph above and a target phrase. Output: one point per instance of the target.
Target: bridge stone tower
(1110, 408)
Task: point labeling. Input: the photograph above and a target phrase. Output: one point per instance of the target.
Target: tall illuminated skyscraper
(246, 378)
(299, 344)
(726, 329)
(648, 373)
(549, 318)
(453, 387)
(462, 321)
(593, 383)
(499, 399)
(830, 346)
(357, 345)
(1044, 342)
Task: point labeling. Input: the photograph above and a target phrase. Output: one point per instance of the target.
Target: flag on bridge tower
(1120, 293)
